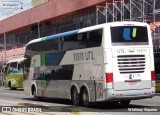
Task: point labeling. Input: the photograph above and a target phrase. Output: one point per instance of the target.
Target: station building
(48, 17)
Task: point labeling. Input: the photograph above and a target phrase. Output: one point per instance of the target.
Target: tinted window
(83, 40)
(94, 38)
(46, 45)
(71, 42)
(129, 35)
(42, 46)
(14, 64)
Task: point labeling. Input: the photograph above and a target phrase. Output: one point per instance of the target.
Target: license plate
(132, 82)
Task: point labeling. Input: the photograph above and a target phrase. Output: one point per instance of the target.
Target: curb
(71, 109)
(157, 94)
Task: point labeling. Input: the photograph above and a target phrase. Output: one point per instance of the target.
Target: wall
(38, 2)
(50, 9)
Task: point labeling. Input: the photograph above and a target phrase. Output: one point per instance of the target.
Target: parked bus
(111, 62)
(14, 73)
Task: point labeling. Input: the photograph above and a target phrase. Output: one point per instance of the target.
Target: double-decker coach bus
(111, 62)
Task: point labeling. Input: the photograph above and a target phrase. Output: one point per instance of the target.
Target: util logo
(127, 33)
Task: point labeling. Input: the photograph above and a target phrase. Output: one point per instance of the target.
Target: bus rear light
(109, 77)
(153, 76)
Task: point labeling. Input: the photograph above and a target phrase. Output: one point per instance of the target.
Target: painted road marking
(6, 101)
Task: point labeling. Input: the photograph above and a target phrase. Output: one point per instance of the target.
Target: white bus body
(107, 62)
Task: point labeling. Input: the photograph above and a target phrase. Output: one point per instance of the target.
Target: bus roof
(66, 33)
(16, 60)
(54, 36)
(86, 29)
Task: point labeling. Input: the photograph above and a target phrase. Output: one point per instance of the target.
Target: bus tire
(75, 97)
(85, 98)
(10, 86)
(125, 103)
(36, 98)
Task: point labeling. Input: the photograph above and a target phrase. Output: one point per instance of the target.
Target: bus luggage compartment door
(131, 72)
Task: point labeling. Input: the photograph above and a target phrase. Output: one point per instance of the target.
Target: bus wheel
(85, 98)
(125, 103)
(9, 85)
(36, 98)
(75, 97)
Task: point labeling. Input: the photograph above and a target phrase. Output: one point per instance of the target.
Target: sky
(12, 7)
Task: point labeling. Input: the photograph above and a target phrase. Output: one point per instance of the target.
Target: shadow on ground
(95, 107)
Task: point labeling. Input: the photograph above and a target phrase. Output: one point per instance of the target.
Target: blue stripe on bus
(62, 34)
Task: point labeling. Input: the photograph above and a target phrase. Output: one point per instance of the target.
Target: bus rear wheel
(85, 97)
(75, 97)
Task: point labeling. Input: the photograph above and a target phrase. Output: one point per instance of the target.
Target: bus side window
(82, 40)
(20, 66)
(60, 43)
(95, 38)
(79, 37)
(88, 35)
(69, 42)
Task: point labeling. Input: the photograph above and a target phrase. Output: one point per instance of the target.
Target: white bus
(111, 62)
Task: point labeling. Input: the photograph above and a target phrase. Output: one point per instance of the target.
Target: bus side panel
(28, 82)
(48, 88)
(88, 66)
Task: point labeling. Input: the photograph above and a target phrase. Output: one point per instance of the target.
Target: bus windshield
(13, 66)
(129, 35)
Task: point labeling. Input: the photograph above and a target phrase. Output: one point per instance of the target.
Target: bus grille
(131, 63)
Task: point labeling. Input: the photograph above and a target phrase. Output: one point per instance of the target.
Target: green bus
(14, 73)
